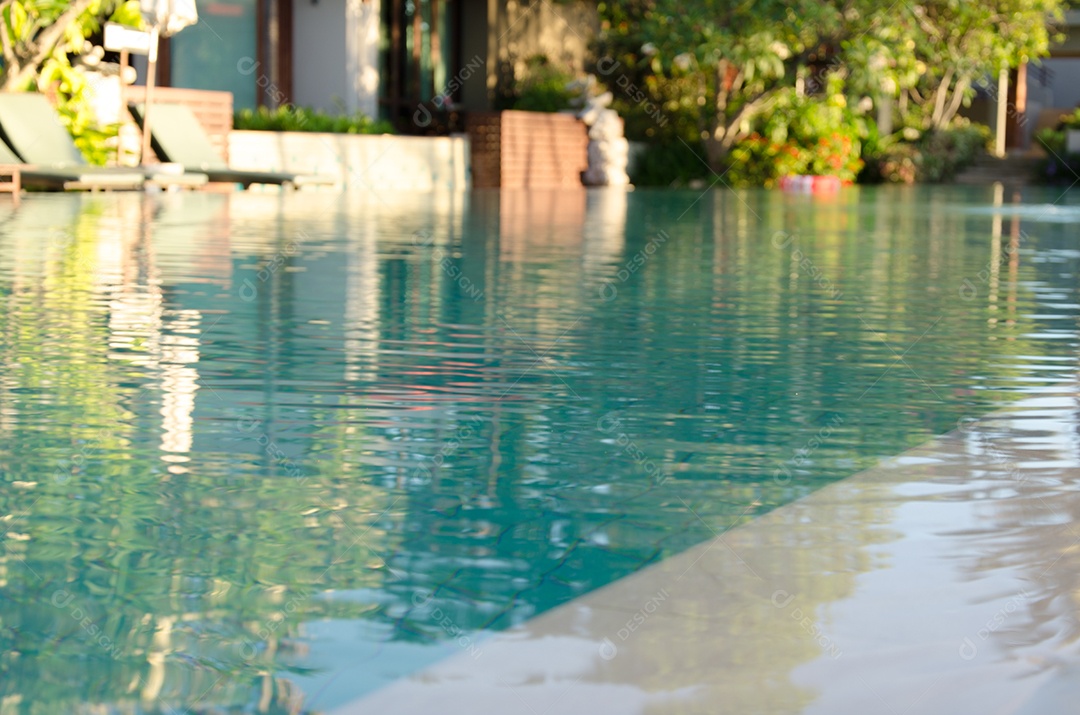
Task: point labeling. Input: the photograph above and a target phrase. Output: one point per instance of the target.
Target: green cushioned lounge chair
(178, 137)
(70, 179)
(31, 126)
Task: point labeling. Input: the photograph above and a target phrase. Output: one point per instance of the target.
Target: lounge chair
(178, 137)
(70, 179)
(11, 180)
(31, 126)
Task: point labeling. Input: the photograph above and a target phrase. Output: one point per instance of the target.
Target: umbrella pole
(122, 117)
(151, 71)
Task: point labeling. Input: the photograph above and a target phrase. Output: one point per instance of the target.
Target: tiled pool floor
(944, 580)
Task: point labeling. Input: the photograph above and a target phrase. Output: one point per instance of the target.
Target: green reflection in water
(228, 419)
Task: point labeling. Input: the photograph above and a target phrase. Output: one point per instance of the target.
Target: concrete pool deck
(944, 580)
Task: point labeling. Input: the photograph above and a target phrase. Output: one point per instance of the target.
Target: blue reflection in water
(270, 452)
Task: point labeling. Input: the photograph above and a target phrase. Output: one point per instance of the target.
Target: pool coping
(935, 582)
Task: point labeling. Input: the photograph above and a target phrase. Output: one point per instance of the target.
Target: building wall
(1064, 62)
(561, 31)
(520, 29)
(335, 52)
(1066, 81)
(319, 50)
(364, 24)
(1070, 47)
(335, 55)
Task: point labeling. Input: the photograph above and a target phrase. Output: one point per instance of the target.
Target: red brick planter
(517, 150)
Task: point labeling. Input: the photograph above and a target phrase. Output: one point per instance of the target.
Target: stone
(608, 150)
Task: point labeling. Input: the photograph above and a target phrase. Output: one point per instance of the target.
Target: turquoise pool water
(265, 453)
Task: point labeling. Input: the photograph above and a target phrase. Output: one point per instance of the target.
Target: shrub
(543, 88)
(1063, 168)
(1071, 121)
(288, 118)
(76, 110)
(1058, 167)
(801, 135)
(1052, 140)
(932, 157)
(948, 151)
(670, 163)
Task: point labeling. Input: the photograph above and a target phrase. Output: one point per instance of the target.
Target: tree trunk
(716, 153)
(728, 132)
(939, 99)
(958, 97)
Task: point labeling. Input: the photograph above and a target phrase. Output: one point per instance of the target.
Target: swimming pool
(276, 451)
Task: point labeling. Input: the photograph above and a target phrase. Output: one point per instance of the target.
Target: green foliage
(1071, 121)
(952, 46)
(288, 118)
(934, 157)
(1059, 166)
(948, 151)
(663, 109)
(1052, 140)
(801, 135)
(668, 163)
(41, 38)
(76, 111)
(892, 163)
(657, 107)
(543, 87)
(722, 64)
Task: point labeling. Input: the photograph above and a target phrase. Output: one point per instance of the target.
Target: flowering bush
(818, 135)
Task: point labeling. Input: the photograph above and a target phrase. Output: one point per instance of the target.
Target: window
(419, 55)
(220, 52)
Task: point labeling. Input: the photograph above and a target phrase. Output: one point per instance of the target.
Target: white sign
(1072, 141)
(121, 37)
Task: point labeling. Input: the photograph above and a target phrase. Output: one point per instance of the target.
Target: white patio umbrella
(164, 18)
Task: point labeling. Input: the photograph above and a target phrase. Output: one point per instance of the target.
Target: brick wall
(517, 150)
(214, 110)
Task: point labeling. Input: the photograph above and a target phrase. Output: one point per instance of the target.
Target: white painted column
(362, 22)
(1002, 112)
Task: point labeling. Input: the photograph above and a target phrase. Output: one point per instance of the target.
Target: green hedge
(288, 118)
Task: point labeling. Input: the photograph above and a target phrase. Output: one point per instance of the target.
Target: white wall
(363, 52)
(319, 50)
(380, 164)
(336, 55)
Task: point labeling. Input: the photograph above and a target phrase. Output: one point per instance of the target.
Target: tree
(34, 33)
(37, 38)
(749, 52)
(923, 57)
(958, 43)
